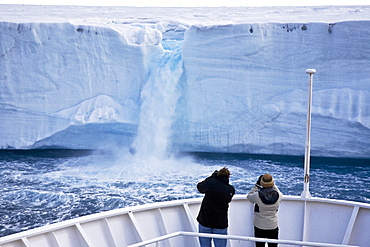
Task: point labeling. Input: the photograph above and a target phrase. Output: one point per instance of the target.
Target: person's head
(267, 181)
(224, 172)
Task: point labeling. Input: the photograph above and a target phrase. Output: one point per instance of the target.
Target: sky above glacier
(188, 3)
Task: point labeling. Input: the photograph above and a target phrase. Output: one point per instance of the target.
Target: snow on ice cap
(267, 181)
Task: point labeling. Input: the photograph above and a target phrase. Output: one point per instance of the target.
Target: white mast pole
(306, 192)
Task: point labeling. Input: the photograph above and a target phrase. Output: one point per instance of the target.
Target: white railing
(235, 237)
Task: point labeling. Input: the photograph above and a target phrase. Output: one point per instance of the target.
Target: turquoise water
(48, 186)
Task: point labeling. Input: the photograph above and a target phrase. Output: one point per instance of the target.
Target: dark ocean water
(46, 186)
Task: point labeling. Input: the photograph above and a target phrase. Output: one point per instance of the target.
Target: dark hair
(224, 172)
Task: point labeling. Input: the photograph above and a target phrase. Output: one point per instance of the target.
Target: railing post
(306, 192)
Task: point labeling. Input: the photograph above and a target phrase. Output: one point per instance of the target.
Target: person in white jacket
(266, 197)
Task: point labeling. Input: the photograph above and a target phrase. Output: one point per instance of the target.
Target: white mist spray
(159, 99)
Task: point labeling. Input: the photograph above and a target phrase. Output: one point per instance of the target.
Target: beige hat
(267, 181)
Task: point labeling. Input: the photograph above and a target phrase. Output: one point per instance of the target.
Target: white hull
(300, 219)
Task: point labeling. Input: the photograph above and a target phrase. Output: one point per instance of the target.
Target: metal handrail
(235, 237)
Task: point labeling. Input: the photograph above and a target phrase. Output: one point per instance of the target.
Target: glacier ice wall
(59, 77)
(239, 87)
(246, 88)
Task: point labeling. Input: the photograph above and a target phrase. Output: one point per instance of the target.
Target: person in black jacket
(213, 214)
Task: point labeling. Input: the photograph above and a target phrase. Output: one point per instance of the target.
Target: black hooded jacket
(214, 209)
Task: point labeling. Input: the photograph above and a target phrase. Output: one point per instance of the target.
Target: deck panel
(330, 220)
(176, 219)
(241, 221)
(98, 232)
(361, 231)
(70, 237)
(47, 239)
(123, 231)
(17, 243)
(150, 222)
(291, 220)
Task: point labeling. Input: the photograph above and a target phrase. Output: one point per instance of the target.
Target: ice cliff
(159, 85)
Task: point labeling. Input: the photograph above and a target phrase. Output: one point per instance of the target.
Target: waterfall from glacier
(159, 98)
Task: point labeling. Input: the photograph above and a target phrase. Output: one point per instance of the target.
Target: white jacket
(267, 201)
